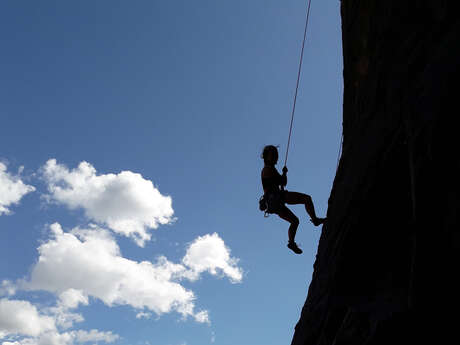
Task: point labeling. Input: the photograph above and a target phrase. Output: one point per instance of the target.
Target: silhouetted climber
(275, 197)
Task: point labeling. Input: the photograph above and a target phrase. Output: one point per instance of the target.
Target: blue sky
(183, 95)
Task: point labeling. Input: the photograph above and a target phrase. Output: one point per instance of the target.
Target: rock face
(388, 258)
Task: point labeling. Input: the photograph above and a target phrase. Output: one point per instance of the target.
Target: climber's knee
(307, 199)
(295, 221)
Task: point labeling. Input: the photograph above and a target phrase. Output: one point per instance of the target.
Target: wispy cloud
(143, 315)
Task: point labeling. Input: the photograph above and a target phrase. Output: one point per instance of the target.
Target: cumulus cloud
(126, 202)
(23, 321)
(89, 260)
(209, 253)
(21, 317)
(86, 263)
(12, 189)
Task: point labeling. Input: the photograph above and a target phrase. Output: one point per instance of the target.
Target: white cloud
(89, 260)
(94, 336)
(202, 316)
(7, 288)
(67, 338)
(21, 317)
(49, 338)
(64, 318)
(126, 202)
(12, 189)
(71, 298)
(26, 325)
(209, 253)
(85, 263)
(143, 315)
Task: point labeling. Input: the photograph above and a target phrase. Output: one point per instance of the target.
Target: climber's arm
(283, 178)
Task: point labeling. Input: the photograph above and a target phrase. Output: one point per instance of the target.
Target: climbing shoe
(293, 246)
(318, 221)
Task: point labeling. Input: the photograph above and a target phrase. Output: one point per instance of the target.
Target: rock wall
(388, 258)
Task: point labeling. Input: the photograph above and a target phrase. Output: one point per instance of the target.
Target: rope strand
(298, 80)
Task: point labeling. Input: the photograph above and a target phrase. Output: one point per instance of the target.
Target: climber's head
(270, 155)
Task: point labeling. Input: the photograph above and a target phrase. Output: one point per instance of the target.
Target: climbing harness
(298, 80)
(263, 205)
(271, 203)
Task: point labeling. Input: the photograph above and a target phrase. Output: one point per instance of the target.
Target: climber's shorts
(275, 201)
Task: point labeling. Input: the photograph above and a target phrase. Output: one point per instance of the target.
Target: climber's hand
(285, 170)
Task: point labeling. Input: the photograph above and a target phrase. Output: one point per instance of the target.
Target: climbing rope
(298, 79)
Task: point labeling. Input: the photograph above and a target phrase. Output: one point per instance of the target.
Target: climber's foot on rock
(318, 221)
(293, 246)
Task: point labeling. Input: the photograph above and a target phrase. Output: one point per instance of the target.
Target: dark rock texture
(388, 259)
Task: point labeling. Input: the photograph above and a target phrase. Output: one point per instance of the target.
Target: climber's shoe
(293, 246)
(318, 221)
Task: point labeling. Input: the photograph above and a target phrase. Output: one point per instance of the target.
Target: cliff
(387, 260)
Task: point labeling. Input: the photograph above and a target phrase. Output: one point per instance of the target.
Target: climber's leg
(286, 214)
(294, 198)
